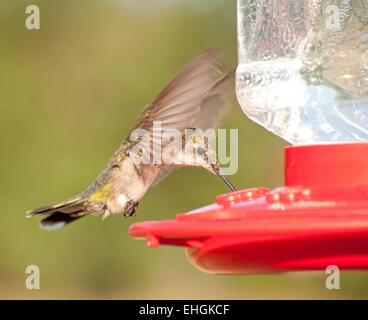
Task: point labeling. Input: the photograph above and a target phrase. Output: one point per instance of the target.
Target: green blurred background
(69, 93)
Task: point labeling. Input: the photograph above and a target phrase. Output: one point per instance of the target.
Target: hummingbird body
(121, 185)
(127, 184)
(192, 99)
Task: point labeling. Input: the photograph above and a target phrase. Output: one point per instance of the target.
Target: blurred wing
(213, 108)
(217, 103)
(163, 173)
(177, 104)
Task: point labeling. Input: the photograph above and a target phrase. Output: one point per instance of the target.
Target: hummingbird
(197, 97)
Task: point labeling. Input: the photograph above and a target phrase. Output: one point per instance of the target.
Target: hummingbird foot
(106, 214)
(130, 209)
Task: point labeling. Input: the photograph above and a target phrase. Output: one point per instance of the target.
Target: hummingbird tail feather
(59, 219)
(61, 213)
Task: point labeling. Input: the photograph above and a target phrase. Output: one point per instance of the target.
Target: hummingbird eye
(200, 151)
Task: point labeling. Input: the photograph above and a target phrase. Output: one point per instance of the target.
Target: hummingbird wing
(217, 102)
(176, 106)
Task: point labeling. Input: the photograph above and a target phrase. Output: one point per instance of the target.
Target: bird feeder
(303, 75)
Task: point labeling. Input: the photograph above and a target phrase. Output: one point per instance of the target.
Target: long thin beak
(224, 178)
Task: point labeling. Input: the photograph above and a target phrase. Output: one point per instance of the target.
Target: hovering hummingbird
(196, 97)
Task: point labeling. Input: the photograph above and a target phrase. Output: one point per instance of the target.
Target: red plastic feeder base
(319, 218)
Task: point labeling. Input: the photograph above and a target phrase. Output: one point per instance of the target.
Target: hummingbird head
(198, 153)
